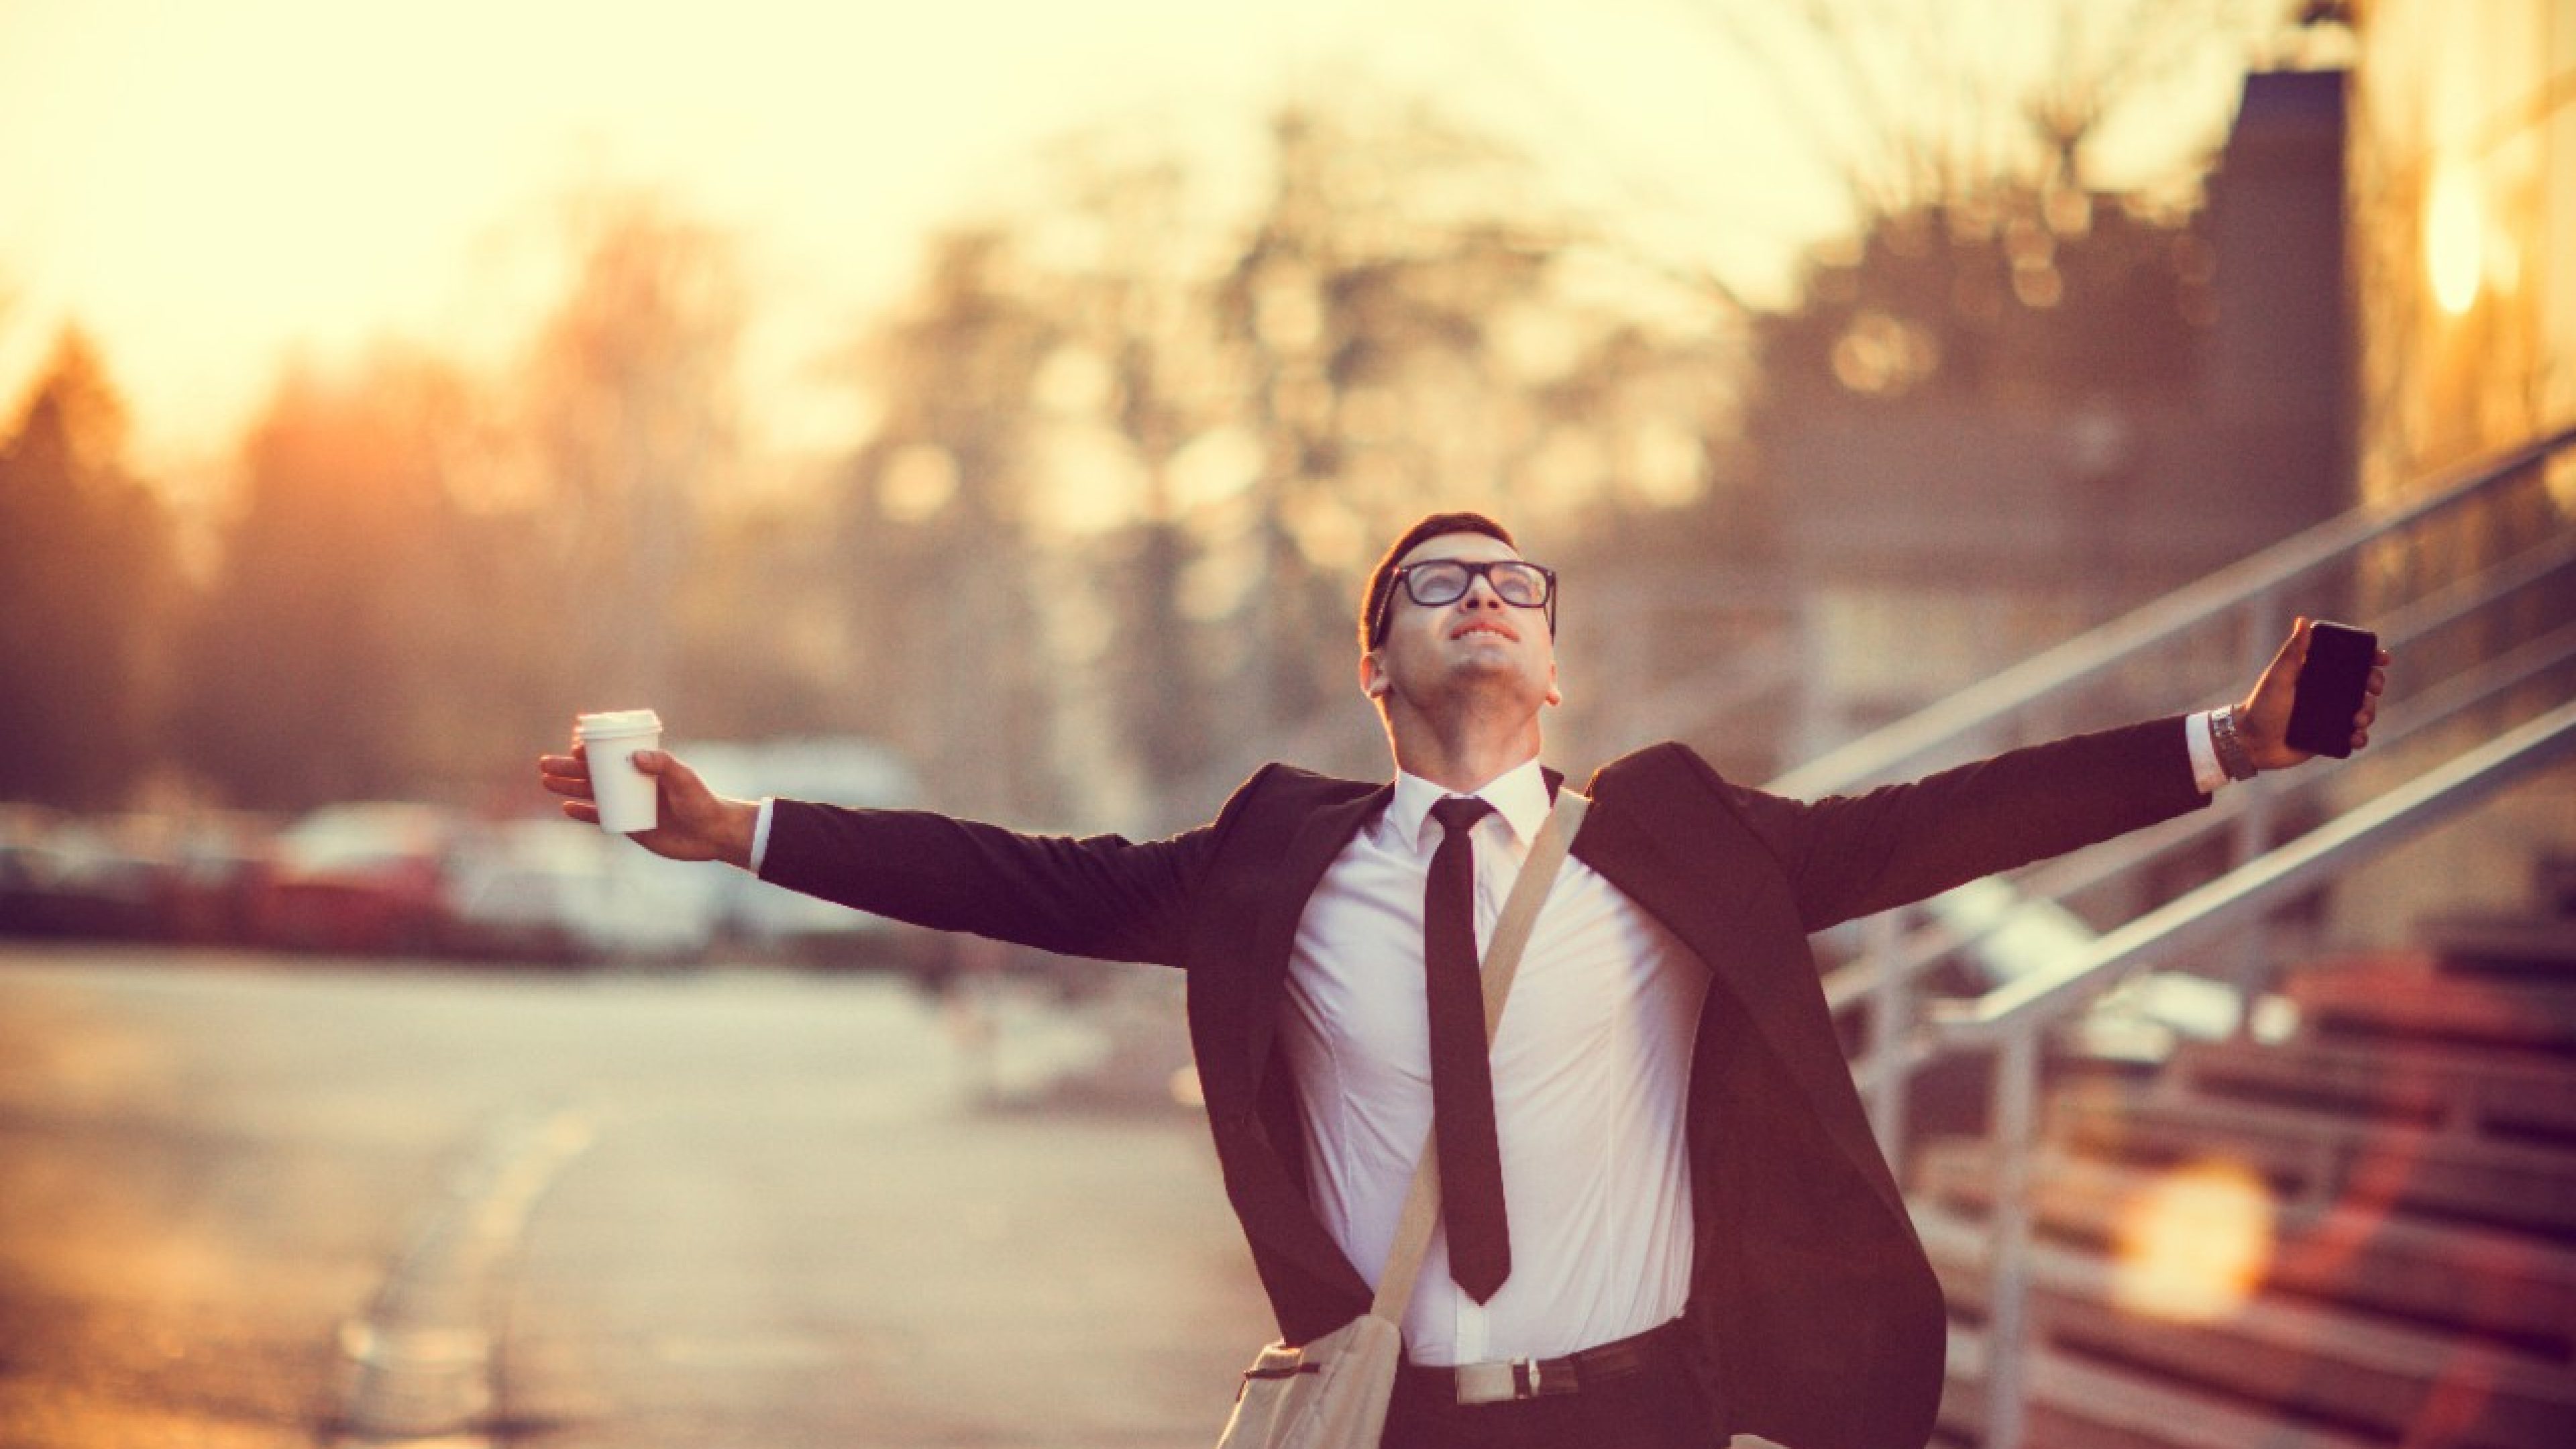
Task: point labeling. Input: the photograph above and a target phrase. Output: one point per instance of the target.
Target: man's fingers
(2295, 648)
(567, 775)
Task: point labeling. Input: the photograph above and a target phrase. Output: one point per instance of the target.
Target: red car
(361, 879)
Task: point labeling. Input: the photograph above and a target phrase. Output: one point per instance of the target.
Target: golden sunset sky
(209, 189)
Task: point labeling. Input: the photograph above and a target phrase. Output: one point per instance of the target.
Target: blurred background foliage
(1129, 458)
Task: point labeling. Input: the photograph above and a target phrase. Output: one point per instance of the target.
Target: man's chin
(1486, 676)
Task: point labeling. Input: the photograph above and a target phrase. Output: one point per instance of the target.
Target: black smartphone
(2330, 688)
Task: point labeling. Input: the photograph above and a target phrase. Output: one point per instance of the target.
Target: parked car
(765, 920)
(70, 876)
(550, 890)
(359, 878)
(211, 864)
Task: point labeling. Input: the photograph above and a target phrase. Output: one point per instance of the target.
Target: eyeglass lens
(1444, 581)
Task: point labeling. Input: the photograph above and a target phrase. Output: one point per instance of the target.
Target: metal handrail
(1849, 985)
(1888, 752)
(2202, 916)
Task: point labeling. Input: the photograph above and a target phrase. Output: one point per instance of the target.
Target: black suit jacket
(1811, 1297)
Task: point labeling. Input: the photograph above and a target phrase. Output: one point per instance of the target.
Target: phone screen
(2330, 688)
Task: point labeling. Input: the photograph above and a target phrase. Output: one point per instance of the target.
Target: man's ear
(1373, 680)
(1554, 695)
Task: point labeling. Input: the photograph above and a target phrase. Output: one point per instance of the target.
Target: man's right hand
(697, 823)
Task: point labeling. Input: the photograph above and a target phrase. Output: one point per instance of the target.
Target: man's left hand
(2263, 718)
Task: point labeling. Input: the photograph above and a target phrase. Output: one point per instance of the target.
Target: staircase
(2346, 1215)
(2361, 1233)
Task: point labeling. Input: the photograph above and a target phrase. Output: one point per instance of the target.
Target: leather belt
(1531, 1378)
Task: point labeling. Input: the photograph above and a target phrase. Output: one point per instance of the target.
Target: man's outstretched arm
(1849, 856)
(1100, 896)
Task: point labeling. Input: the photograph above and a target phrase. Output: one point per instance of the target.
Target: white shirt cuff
(2206, 772)
(760, 833)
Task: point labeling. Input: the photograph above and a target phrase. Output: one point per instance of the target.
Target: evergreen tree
(86, 575)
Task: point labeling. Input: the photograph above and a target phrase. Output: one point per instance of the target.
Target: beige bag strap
(1502, 962)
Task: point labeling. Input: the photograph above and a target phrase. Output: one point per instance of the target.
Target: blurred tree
(1128, 284)
(356, 639)
(764, 643)
(1133, 459)
(1998, 337)
(1417, 330)
(1932, 302)
(949, 655)
(87, 575)
(1911, 107)
(1983, 257)
(629, 404)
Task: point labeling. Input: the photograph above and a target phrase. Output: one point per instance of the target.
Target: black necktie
(1462, 1078)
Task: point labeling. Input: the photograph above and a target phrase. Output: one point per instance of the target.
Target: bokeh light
(2195, 1246)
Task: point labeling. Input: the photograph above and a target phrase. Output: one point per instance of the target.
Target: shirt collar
(1518, 795)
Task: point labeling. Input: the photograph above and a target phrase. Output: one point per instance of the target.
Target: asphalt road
(248, 1203)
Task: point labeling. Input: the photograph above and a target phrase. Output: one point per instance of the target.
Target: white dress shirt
(1591, 1071)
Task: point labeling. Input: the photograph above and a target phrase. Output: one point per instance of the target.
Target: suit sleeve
(1099, 896)
(1849, 856)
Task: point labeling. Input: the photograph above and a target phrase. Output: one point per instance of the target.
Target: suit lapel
(1310, 853)
(1277, 1218)
(1715, 911)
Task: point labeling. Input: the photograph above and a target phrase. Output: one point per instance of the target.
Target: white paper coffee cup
(629, 800)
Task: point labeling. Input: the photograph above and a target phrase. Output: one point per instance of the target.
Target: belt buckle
(1497, 1383)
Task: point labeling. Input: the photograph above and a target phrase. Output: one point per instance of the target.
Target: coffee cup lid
(616, 722)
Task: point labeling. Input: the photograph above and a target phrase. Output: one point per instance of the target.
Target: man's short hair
(1382, 578)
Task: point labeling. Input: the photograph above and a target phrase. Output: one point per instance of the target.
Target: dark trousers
(1663, 1406)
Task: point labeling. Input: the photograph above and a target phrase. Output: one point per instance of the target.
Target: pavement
(261, 1202)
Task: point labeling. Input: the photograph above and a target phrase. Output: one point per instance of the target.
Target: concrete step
(2429, 1085)
(2319, 1160)
(2077, 1404)
(2301, 1361)
(2537, 947)
(2411, 997)
(2476, 1282)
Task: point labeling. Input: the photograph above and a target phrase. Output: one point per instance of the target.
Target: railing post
(2252, 835)
(2264, 630)
(2016, 1111)
(1891, 1011)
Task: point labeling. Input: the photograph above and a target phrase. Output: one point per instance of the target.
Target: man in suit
(1667, 1220)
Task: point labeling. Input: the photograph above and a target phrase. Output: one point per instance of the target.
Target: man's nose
(1480, 594)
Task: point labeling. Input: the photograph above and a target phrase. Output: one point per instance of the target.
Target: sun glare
(2454, 238)
(2195, 1246)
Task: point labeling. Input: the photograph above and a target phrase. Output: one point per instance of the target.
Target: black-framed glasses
(1437, 581)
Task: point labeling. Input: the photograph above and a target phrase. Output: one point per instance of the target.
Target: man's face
(1476, 643)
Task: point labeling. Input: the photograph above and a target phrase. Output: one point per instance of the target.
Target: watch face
(2229, 748)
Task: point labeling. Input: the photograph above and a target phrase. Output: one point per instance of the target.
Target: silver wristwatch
(2228, 745)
